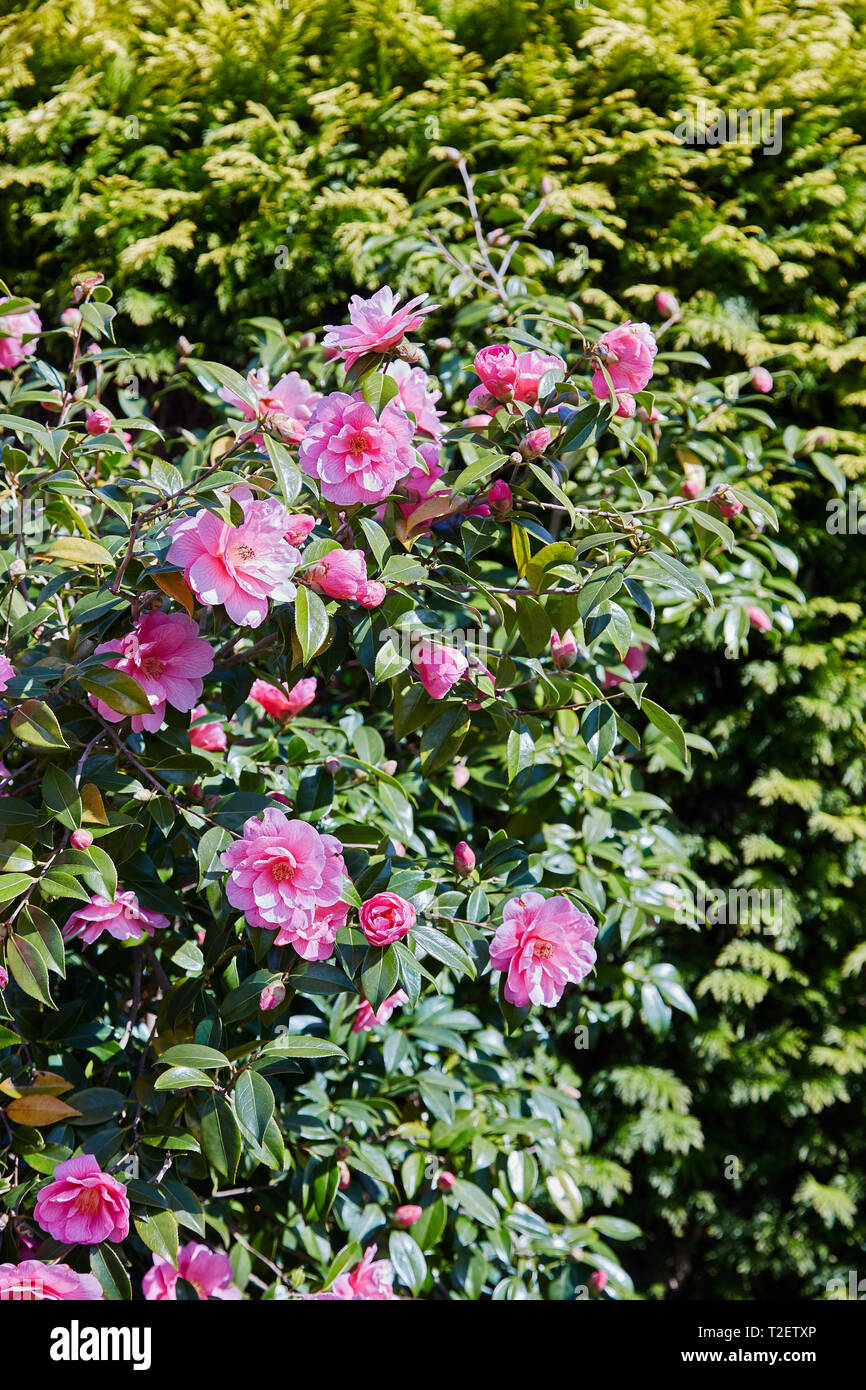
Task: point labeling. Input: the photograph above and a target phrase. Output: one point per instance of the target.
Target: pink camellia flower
(759, 619)
(81, 839)
(284, 702)
(288, 878)
(542, 944)
(386, 917)
(7, 671)
(300, 526)
(627, 353)
(563, 649)
(98, 422)
(284, 408)
(209, 1271)
(762, 380)
(634, 661)
(407, 1215)
(211, 735)
(356, 456)
(123, 918)
(82, 1205)
(35, 1282)
(535, 443)
(340, 574)
(167, 658)
(365, 1017)
(446, 1180)
(368, 1280)
(464, 859)
(416, 398)
(373, 595)
(271, 997)
(531, 367)
(439, 667)
(238, 566)
(667, 304)
(500, 497)
(375, 324)
(497, 367)
(15, 328)
(649, 417)
(4, 978)
(626, 405)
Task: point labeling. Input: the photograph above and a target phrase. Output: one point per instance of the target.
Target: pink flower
(16, 327)
(543, 944)
(627, 353)
(446, 1180)
(98, 422)
(284, 702)
(284, 408)
(271, 997)
(439, 667)
(81, 839)
(367, 1280)
(375, 325)
(531, 367)
(464, 859)
(762, 380)
(407, 1215)
(209, 1271)
(211, 736)
(288, 878)
(497, 367)
(4, 978)
(416, 397)
(366, 1018)
(124, 918)
(667, 304)
(7, 671)
(340, 574)
(563, 649)
(480, 398)
(597, 1280)
(386, 917)
(355, 456)
(634, 660)
(373, 595)
(300, 526)
(626, 405)
(759, 619)
(82, 1205)
(35, 1282)
(649, 417)
(500, 497)
(167, 658)
(535, 443)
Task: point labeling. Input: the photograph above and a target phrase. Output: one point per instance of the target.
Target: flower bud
(271, 997)
(727, 504)
(759, 619)
(345, 1176)
(597, 1280)
(563, 649)
(460, 775)
(691, 488)
(4, 979)
(667, 304)
(546, 186)
(98, 422)
(81, 839)
(762, 380)
(464, 859)
(449, 152)
(17, 569)
(307, 340)
(535, 443)
(390, 766)
(332, 766)
(500, 497)
(445, 1181)
(407, 1216)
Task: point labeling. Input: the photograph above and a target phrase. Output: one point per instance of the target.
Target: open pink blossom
(286, 701)
(356, 456)
(386, 917)
(418, 398)
(35, 1282)
(7, 671)
(372, 1280)
(209, 735)
(242, 566)
(82, 1205)
(531, 367)
(284, 408)
(123, 918)
(375, 324)
(439, 666)
(366, 1017)
(167, 658)
(340, 574)
(15, 328)
(286, 877)
(627, 353)
(209, 1271)
(634, 662)
(542, 944)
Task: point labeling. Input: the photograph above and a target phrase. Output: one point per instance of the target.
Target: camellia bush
(326, 716)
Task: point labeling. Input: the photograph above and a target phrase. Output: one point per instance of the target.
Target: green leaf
(409, 1264)
(194, 1055)
(75, 550)
(522, 1172)
(667, 725)
(116, 689)
(441, 739)
(378, 390)
(158, 1230)
(179, 1078)
(254, 1103)
(380, 975)
(311, 622)
(433, 942)
(301, 1045)
(35, 724)
(28, 968)
(60, 795)
(109, 1270)
(288, 474)
(520, 753)
(476, 1203)
(534, 624)
(598, 730)
(220, 1136)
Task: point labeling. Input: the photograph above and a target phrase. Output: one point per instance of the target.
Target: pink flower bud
(626, 405)
(345, 1175)
(4, 978)
(535, 443)
(81, 839)
(464, 859)
(407, 1216)
(727, 504)
(500, 497)
(546, 186)
(759, 619)
(691, 488)
(762, 380)
(373, 595)
(667, 304)
(597, 1280)
(98, 422)
(460, 775)
(563, 649)
(271, 997)
(446, 1181)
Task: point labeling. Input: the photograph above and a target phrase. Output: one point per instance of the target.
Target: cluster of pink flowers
(356, 456)
(506, 375)
(14, 329)
(167, 658)
(375, 325)
(286, 877)
(123, 918)
(209, 1271)
(82, 1205)
(32, 1281)
(284, 702)
(241, 566)
(284, 408)
(342, 574)
(542, 945)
